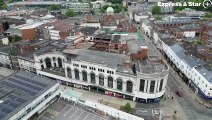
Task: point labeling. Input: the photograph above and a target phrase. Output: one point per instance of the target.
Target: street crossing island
(179, 4)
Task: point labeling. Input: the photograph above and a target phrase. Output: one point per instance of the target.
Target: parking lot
(64, 110)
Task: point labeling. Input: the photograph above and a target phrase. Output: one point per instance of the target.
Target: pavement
(101, 98)
(65, 110)
(4, 72)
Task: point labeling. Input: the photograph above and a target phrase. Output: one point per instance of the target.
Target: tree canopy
(14, 38)
(3, 6)
(156, 10)
(70, 13)
(127, 108)
(54, 7)
(92, 11)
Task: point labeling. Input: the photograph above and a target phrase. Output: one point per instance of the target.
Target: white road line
(74, 113)
(64, 108)
(86, 116)
(68, 111)
(80, 115)
(46, 118)
(93, 117)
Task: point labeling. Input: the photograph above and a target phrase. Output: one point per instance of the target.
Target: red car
(180, 94)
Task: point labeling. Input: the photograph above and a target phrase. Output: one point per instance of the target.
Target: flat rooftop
(20, 89)
(104, 58)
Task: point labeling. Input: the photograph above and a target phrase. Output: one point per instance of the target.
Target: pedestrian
(172, 97)
(164, 98)
(168, 96)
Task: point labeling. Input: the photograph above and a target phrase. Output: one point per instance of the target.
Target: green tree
(2, 5)
(158, 18)
(54, 7)
(208, 15)
(156, 10)
(70, 13)
(14, 38)
(104, 8)
(127, 108)
(92, 11)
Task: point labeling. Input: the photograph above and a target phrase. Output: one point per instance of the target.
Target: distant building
(77, 6)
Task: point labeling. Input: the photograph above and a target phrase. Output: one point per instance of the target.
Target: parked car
(180, 94)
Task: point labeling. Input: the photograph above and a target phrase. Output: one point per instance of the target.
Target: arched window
(119, 84)
(60, 63)
(129, 86)
(101, 79)
(48, 62)
(93, 78)
(110, 82)
(76, 73)
(69, 72)
(84, 76)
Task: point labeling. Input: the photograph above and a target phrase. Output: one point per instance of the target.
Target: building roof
(147, 22)
(6, 50)
(62, 25)
(190, 27)
(109, 9)
(205, 73)
(111, 60)
(209, 33)
(176, 48)
(173, 21)
(209, 24)
(13, 31)
(20, 89)
(88, 30)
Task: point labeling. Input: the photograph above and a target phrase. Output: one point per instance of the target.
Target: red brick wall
(63, 35)
(28, 34)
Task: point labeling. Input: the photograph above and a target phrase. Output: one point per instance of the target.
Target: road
(192, 109)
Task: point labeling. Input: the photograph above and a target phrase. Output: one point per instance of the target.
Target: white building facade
(83, 74)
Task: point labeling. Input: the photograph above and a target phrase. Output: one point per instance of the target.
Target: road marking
(74, 113)
(80, 115)
(93, 117)
(86, 116)
(68, 111)
(46, 118)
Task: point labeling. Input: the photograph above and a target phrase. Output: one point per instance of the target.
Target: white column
(80, 76)
(148, 87)
(44, 64)
(158, 87)
(156, 83)
(105, 82)
(57, 62)
(134, 98)
(124, 86)
(66, 73)
(145, 85)
(89, 78)
(52, 63)
(72, 74)
(97, 79)
(114, 84)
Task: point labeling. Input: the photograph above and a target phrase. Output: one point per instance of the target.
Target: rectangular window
(142, 83)
(152, 86)
(161, 85)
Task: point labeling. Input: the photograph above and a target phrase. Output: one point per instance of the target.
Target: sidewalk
(169, 106)
(189, 92)
(100, 98)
